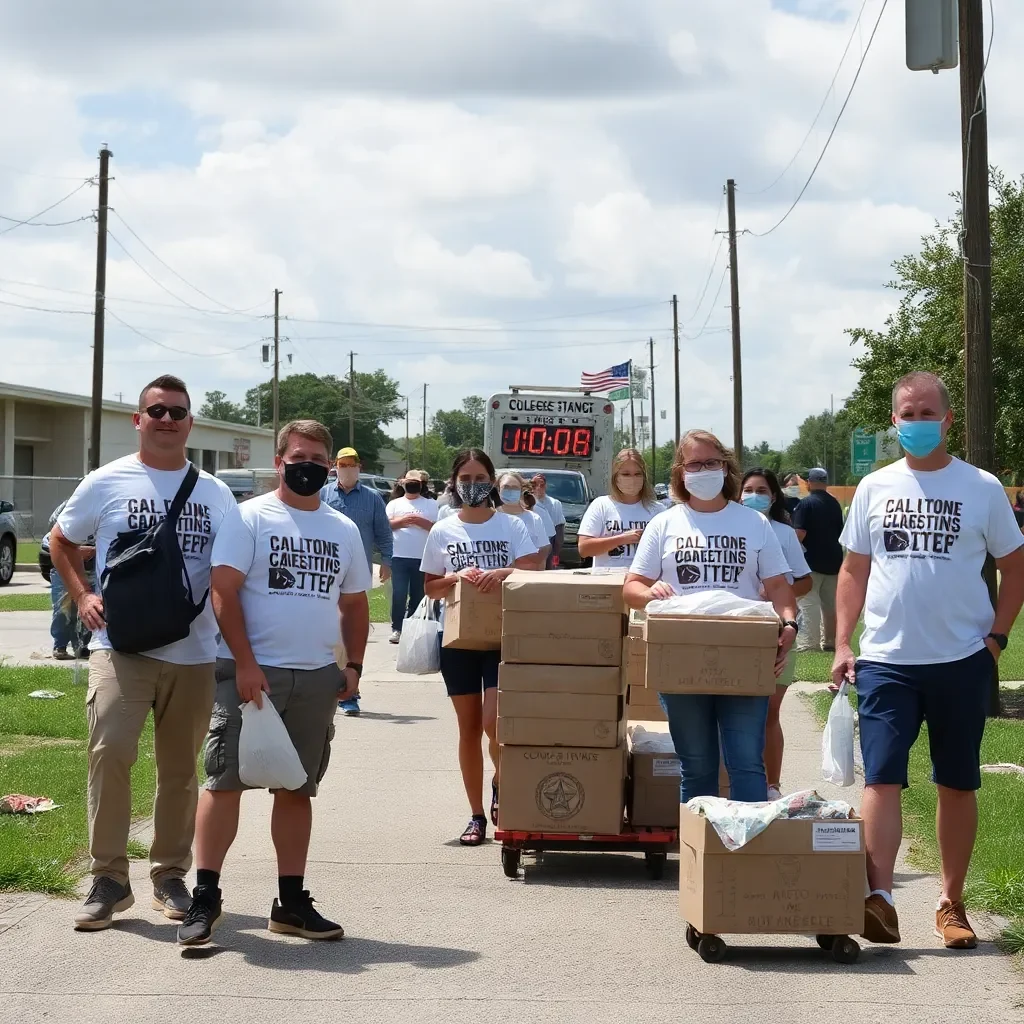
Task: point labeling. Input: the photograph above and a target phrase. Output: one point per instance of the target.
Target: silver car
(8, 542)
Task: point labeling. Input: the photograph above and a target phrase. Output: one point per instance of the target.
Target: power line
(46, 223)
(46, 309)
(179, 351)
(839, 117)
(19, 223)
(707, 283)
(37, 174)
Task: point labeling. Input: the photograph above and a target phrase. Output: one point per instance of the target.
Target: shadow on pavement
(384, 716)
(595, 871)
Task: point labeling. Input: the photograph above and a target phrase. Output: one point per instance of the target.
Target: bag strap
(184, 493)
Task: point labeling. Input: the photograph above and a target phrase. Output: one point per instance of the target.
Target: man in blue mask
(917, 536)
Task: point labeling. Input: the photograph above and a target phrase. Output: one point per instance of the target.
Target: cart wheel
(692, 936)
(825, 942)
(845, 950)
(510, 861)
(710, 949)
(655, 865)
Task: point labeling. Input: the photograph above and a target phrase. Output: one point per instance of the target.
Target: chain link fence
(34, 499)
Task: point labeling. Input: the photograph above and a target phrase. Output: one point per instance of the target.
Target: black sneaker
(106, 898)
(303, 919)
(201, 918)
(173, 898)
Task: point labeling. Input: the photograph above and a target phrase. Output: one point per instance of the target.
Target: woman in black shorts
(481, 547)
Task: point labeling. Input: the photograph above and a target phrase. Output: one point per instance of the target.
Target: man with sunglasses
(176, 682)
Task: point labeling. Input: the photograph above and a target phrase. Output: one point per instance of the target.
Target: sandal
(494, 804)
(475, 833)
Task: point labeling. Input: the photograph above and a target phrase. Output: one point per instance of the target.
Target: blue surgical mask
(758, 502)
(919, 438)
(511, 496)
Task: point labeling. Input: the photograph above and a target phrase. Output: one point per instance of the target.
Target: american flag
(605, 380)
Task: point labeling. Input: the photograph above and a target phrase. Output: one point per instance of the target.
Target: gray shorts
(307, 701)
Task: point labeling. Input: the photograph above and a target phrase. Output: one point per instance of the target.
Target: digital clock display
(545, 441)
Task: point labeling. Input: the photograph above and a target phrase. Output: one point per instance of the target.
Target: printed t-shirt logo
(716, 559)
(613, 526)
(194, 527)
(484, 554)
(304, 566)
(921, 527)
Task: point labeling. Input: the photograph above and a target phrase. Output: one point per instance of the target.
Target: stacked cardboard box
(472, 618)
(561, 712)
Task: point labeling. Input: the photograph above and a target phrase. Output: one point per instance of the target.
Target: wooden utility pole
(424, 426)
(352, 399)
(632, 408)
(654, 446)
(408, 455)
(675, 332)
(737, 371)
(99, 317)
(277, 361)
(976, 244)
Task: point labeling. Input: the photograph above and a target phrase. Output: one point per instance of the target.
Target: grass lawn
(28, 551)
(42, 753)
(996, 879)
(380, 604)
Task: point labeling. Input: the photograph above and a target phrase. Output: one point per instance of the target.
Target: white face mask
(706, 485)
(348, 476)
(791, 492)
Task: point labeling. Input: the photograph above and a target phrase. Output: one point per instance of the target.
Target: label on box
(666, 766)
(836, 837)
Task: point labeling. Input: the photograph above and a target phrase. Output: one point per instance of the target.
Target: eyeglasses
(709, 464)
(176, 412)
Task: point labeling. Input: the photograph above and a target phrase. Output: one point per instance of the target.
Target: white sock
(887, 896)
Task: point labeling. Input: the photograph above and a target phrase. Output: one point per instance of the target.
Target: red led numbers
(547, 442)
(582, 441)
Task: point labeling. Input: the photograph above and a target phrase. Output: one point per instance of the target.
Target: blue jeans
(696, 721)
(65, 628)
(406, 589)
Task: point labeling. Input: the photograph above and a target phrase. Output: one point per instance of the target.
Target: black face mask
(413, 487)
(305, 478)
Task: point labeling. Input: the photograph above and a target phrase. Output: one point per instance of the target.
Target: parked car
(380, 483)
(570, 488)
(8, 542)
(245, 483)
(661, 491)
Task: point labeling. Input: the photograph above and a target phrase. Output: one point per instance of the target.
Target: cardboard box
(653, 790)
(561, 732)
(563, 591)
(711, 654)
(579, 706)
(541, 650)
(634, 660)
(472, 620)
(561, 679)
(564, 626)
(562, 789)
(642, 705)
(800, 877)
(637, 618)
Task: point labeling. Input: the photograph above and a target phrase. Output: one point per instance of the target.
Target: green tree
(439, 456)
(822, 440)
(927, 330)
(763, 456)
(216, 406)
(461, 428)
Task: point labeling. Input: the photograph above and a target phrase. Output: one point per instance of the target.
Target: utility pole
(408, 464)
(277, 360)
(976, 245)
(654, 446)
(424, 426)
(675, 332)
(352, 399)
(632, 408)
(737, 371)
(99, 313)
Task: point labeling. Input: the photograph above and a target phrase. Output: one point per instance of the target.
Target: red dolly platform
(654, 844)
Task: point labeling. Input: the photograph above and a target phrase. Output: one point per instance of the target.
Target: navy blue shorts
(469, 672)
(952, 698)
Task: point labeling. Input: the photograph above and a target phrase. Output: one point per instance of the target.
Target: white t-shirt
(553, 507)
(126, 495)
(296, 564)
(409, 540)
(606, 517)
(792, 550)
(497, 544)
(927, 535)
(545, 518)
(734, 550)
(534, 527)
(445, 511)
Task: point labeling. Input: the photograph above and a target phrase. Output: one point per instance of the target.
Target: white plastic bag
(266, 756)
(712, 602)
(837, 741)
(418, 651)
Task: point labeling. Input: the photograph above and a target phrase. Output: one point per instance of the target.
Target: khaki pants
(818, 614)
(122, 690)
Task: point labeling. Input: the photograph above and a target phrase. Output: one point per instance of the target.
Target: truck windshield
(568, 488)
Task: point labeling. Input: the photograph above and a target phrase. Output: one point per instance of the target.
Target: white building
(45, 438)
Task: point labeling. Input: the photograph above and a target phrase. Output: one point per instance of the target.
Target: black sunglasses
(176, 412)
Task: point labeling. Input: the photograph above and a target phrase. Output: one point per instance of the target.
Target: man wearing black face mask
(411, 517)
(284, 565)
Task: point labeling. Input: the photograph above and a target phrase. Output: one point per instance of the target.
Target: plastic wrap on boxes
(712, 602)
(644, 741)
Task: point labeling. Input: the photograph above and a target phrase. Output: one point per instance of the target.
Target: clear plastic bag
(712, 602)
(418, 651)
(837, 741)
(266, 756)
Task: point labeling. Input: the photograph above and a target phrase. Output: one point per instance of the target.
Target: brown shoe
(952, 926)
(880, 921)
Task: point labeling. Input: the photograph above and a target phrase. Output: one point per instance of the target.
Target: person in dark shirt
(791, 490)
(818, 521)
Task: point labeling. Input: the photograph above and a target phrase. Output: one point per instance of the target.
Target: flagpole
(632, 408)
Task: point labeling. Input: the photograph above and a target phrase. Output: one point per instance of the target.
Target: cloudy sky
(471, 193)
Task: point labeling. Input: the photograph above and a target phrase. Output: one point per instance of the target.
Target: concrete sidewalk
(436, 932)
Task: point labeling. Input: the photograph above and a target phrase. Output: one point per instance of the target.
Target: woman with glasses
(708, 541)
(761, 492)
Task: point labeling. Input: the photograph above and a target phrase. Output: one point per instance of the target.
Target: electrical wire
(980, 106)
(46, 309)
(835, 126)
(37, 174)
(47, 223)
(52, 206)
(707, 283)
(842, 60)
(179, 351)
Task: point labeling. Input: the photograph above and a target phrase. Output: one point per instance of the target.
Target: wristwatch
(1001, 640)
(793, 623)
(356, 667)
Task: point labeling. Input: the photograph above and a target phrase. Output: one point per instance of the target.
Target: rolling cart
(711, 948)
(653, 843)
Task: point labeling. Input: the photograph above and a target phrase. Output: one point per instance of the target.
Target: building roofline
(30, 394)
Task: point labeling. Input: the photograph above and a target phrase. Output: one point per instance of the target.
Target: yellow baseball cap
(348, 453)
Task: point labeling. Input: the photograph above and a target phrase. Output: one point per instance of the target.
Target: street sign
(619, 395)
(932, 35)
(863, 452)
(242, 450)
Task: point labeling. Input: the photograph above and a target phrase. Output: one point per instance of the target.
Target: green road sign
(863, 451)
(621, 395)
